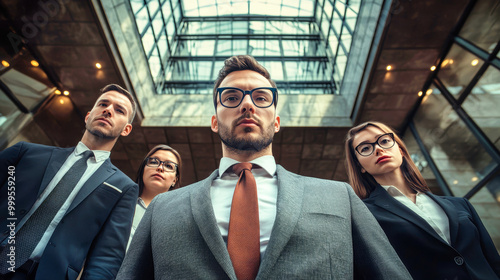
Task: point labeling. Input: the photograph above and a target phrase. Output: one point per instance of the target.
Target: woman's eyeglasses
(168, 166)
(385, 141)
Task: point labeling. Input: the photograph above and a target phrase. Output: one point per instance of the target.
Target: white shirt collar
(265, 162)
(393, 191)
(99, 155)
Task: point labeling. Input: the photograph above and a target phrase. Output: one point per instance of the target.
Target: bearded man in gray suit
(306, 228)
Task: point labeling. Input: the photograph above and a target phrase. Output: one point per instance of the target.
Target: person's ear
(87, 116)
(363, 170)
(214, 124)
(277, 126)
(126, 130)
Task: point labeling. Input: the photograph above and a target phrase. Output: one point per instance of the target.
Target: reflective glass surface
(184, 39)
(458, 69)
(483, 103)
(455, 150)
(482, 27)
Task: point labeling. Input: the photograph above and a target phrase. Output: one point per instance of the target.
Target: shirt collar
(141, 202)
(393, 191)
(265, 162)
(98, 154)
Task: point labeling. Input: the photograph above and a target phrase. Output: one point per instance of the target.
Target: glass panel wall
(458, 120)
(183, 40)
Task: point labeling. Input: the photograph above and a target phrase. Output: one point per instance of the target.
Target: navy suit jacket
(471, 254)
(95, 228)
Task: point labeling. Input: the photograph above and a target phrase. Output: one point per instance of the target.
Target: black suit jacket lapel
(57, 159)
(99, 176)
(203, 214)
(382, 199)
(452, 214)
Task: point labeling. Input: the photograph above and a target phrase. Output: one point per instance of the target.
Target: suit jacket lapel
(57, 159)
(203, 214)
(288, 210)
(452, 214)
(383, 200)
(101, 174)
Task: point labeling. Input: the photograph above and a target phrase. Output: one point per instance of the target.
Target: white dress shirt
(140, 209)
(222, 191)
(93, 163)
(427, 209)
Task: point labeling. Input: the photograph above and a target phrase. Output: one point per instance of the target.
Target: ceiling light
(389, 67)
(451, 61)
(98, 65)
(66, 92)
(429, 91)
(455, 182)
(5, 63)
(35, 63)
(473, 179)
(420, 93)
(474, 62)
(433, 68)
(58, 92)
(61, 101)
(445, 62)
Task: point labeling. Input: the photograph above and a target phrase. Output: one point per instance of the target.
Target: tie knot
(87, 154)
(237, 168)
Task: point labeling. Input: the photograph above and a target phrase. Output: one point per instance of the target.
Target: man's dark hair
(115, 87)
(238, 63)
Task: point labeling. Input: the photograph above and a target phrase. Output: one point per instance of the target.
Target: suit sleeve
(108, 249)
(487, 244)
(138, 262)
(8, 157)
(374, 257)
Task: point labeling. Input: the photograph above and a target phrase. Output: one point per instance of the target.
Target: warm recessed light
(455, 182)
(5, 63)
(433, 68)
(451, 61)
(429, 91)
(420, 93)
(474, 62)
(389, 67)
(61, 101)
(58, 92)
(473, 179)
(35, 63)
(98, 65)
(66, 92)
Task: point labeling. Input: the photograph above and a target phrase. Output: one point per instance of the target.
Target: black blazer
(471, 255)
(96, 227)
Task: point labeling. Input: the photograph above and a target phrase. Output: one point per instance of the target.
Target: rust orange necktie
(243, 240)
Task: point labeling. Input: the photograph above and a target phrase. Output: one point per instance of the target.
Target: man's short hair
(238, 63)
(115, 87)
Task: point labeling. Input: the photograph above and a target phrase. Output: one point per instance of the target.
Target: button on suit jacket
(470, 255)
(322, 231)
(95, 228)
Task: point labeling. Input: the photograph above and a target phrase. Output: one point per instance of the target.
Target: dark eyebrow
(118, 105)
(366, 141)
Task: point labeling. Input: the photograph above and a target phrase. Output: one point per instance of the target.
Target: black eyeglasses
(385, 141)
(168, 166)
(262, 97)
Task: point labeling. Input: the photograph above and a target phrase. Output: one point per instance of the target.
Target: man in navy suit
(90, 224)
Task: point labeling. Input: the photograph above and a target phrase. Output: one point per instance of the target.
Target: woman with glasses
(436, 237)
(160, 171)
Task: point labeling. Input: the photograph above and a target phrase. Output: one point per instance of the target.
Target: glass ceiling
(304, 47)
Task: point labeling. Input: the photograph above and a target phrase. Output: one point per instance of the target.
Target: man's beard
(99, 134)
(241, 144)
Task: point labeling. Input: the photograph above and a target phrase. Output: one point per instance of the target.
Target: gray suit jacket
(322, 231)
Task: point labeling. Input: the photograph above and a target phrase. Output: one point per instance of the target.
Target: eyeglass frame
(376, 142)
(162, 163)
(245, 92)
